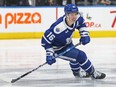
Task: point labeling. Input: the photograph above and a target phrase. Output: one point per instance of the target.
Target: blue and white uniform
(58, 38)
(59, 34)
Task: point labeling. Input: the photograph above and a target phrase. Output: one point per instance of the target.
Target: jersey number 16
(50, 36)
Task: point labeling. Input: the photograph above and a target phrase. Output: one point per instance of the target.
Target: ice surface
(20, 56)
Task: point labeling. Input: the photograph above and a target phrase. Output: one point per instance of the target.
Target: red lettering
(0, 19)
(114, 22)
(91, 24)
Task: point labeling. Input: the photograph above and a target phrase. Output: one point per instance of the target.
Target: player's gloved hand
(85, 40)
(50, 58)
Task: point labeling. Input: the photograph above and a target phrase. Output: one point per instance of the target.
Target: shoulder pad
(59, 28)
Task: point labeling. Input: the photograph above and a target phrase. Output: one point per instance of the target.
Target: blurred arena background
(55, 2)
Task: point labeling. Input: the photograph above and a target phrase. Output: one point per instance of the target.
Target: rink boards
(23, 23)
(38, 35)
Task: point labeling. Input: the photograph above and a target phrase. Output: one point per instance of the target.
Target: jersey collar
(70, 28)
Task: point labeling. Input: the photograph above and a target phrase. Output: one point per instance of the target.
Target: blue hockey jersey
(60, 34)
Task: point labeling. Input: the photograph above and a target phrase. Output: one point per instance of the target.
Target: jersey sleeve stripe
(46, 40)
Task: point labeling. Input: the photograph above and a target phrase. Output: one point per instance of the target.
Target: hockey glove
(50, 58)
(85, 40)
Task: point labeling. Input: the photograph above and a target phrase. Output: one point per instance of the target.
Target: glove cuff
(83, 32)
(49, 52)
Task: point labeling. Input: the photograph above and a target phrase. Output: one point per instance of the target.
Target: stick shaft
(14, 80)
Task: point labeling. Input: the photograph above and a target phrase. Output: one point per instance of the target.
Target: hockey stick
(67, 58)
(14, 80)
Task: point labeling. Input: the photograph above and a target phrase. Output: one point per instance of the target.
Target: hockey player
(58, 38)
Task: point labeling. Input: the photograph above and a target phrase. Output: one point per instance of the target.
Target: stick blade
(13, 80)
(3, 78)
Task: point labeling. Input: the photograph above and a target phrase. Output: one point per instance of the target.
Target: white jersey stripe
(46, 40)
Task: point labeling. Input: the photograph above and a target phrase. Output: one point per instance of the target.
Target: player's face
(72, 17)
